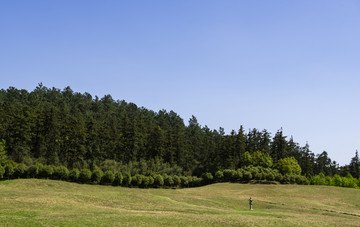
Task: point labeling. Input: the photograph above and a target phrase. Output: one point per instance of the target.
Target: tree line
(57, 127)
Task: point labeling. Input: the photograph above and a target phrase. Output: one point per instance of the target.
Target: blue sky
(260, 64)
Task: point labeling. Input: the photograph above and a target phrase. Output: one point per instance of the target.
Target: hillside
(33, 202)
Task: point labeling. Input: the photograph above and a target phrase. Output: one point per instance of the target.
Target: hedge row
(96, 176)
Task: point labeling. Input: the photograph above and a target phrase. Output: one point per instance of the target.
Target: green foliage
(3, 153)
(2, 172)
(168, 181)
(20, 171)
(219, 175)
(288, 166)
(85, 176)
(137, 180)
(262, 159)
(177, 181)
(46, 171)
(108, 177)
(61, 173)
(127, 179)
(158, 180)
(9, 170)
(97, 174)
(118, 179)
(74, 175)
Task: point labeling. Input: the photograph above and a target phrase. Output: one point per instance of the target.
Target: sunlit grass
(33, 202)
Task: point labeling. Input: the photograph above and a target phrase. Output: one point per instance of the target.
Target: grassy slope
(33, 202)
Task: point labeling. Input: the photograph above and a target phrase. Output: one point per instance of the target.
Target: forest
(49, 126)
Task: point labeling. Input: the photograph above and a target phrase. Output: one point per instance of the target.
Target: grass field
(33, 202)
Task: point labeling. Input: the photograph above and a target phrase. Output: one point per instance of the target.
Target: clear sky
(257, 63)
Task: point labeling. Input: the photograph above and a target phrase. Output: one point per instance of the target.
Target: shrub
(158, 180)
(168, 181)
(20, 170)
(238, 175)
(207, 178)
(145, 181)
(151, 181)
(288, 166)
(108, 177)
(194, 181)
(258, 176)
(96, 175)
(137, 180)
(74, 175)
(85, 176)
(33, 171)
(61, 173)
(2, 172)
(46, 171)
(184, 181)
(228, 174)
(269, 176)
(9, 171)
(118, 179)
(219, 175)
(177, 181)
(127, 179)
(247, 175)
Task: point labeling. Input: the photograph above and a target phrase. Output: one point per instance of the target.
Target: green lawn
(33, 202)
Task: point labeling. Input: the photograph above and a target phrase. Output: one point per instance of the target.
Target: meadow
(36, 202)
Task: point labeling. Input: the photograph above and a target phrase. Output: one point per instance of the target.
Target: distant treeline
(62, 127)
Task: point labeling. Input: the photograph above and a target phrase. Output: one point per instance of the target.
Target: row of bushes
(258, 173)
(96, 176)
(336, 180)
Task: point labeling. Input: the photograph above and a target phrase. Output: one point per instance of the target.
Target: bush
(184, 181)
(151, 181)
(20, 171)
(33, 171)
(9, 171)
(259, 176)
(61, 173)
(74, 175)
(127, 179)
(177, 181)
(270, 176)
(96, 175)
(2, 172)
(85, 176)
(108, 177)
(145, 182)
(168, 181)
(238, 175)
(219, 176)
(207, 178)
(158, 180)
(137, 180)
(247, 175)
(118, 179)
(194, 181)
(288, 166)
(228, 174)
(46, 171)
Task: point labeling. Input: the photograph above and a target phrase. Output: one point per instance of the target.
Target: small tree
(85, 176)
(96, 175)
(168, 181)
(74, 175)
(118, 179)
(207, 178)
(288, 166)
(9, 170)
(176, 180)
(158, 180)
(46, 171)
(61, 173)
(2, 172)
(127, 179)
(20, 170)
(108, 177)
(219, 176)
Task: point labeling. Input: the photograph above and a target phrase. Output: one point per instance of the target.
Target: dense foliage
(52, 131)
